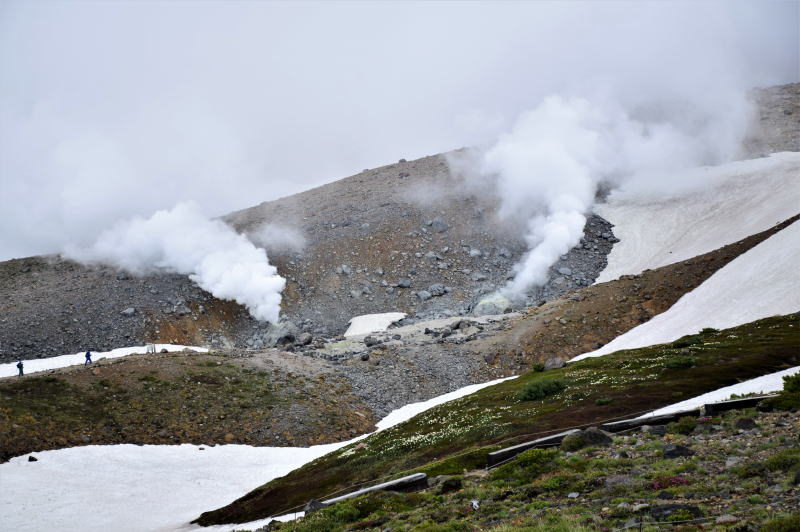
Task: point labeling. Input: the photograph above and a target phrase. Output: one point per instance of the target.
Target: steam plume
(547, 169)
(184, 241)
(277, 238)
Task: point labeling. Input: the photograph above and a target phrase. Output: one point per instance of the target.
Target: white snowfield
(764, 384)
(62, 361)
(372, 323)
(130, 488)
(763, 282)
(714, 207)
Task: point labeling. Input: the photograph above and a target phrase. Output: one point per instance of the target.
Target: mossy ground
(170, 398)
(459, 434)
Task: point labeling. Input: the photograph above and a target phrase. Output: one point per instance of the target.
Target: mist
(113, 112)
(120, 109)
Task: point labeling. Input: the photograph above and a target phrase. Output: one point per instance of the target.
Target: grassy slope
(455, 435)
(530, 493)
(170, 398)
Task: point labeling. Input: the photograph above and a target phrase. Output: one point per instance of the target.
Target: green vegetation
(789, 397)
(602, 401)
(684, 425)
(539, 367)
(635, 380)
(782, 524)
(680, 362)
(791, 383)
(530, 492)
(542, 388)
(687, 341)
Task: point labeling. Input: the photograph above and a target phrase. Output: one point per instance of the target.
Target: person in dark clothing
(88, 358)
(19, 367)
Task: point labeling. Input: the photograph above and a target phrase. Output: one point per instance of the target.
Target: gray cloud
(110, 110)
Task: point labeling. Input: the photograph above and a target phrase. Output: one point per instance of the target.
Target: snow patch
(708, 208)
(763, 282)
(77, 359)
(132, 488)
(372, 323)
(764, 384)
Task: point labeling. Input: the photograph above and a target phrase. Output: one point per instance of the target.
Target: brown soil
(589, 318)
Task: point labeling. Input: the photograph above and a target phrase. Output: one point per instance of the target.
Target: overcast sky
(113, 109)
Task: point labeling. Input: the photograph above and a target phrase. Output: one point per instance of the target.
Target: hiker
(19, 367)
(88, 358)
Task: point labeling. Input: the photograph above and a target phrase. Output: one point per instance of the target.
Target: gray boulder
(304, 338)
(554, 363)
(438, 225)
(437, 290)
(676, 451)
(424, 295)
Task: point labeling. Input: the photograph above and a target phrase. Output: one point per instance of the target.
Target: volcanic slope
(270, 397)
(373, 241)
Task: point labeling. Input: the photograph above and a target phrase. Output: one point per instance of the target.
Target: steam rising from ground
(546, 170)
(277, 238)
(183, 240)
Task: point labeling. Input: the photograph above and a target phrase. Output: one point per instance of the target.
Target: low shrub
(687, 341)
(538, 367)
(785, 460)
(572, 443)
(604, 401)
(539, 389)
(782, 524)
(786, 401)
(791, 383)
(680, 362)
(709, 330)
(684, 425)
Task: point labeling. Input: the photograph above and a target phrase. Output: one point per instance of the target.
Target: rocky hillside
(407, 237)
(275, 397)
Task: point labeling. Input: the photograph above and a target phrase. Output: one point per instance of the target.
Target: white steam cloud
(547, 169)
(183, 240)
(277, 238)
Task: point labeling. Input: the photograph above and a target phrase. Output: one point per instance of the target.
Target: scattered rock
(660, 513)
(619, 480)
(436, 290)
(369, 341)
(438, 225)
(32, 458)
(595, 437)
(554, 363)
(745, 423)
(676, 451)
(424, 295)
(130, 311)
(656, 430)
(304, 338)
